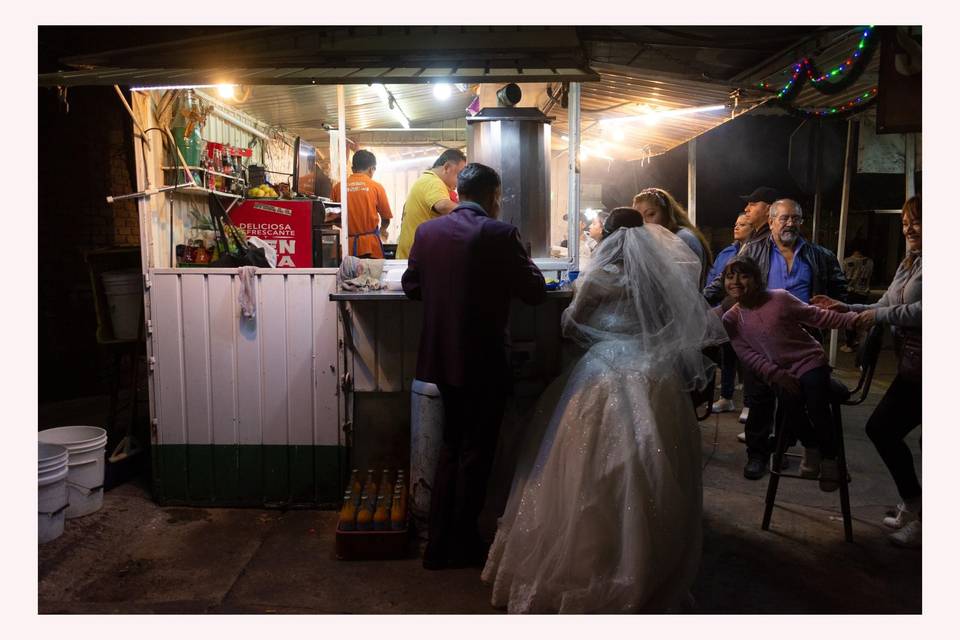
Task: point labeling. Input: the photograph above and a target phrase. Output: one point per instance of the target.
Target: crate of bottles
(373, 523)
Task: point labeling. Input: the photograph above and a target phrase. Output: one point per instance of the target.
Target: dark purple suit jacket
(466, 267)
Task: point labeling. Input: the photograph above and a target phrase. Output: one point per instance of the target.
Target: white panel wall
(222, 379)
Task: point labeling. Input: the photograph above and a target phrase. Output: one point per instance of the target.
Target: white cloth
(248, 291)
(605, 506)
(360, 274)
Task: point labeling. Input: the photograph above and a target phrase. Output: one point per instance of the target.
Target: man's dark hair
(450, 155)
(363, 160)
(622, 217)
(747, 266)
(477, 182)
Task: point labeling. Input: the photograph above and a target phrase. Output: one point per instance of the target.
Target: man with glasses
(803, 268)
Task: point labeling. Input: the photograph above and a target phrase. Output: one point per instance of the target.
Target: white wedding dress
(604, 513)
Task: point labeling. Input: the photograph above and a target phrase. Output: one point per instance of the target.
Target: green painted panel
(276, 474)
(200, 471)
(248, 475)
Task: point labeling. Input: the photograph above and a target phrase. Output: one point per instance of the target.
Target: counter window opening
(276, 182)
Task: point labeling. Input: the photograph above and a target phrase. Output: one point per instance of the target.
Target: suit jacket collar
(472, 206)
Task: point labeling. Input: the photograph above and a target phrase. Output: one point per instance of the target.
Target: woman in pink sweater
(766, 329)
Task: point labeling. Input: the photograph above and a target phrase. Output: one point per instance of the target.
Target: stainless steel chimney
(516, 142)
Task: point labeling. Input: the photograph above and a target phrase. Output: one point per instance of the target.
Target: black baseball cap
(762, 194)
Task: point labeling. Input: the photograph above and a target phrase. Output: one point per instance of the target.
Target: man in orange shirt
(367, 207)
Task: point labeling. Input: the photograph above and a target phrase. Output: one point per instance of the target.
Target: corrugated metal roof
(628, 92)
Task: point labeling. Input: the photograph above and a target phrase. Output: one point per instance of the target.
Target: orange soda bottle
(381, 517)
(398, 518)
(348, 514)
(364, 515)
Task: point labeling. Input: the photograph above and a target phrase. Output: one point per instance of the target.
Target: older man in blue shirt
(804, 269)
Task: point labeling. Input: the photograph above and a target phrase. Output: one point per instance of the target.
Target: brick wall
(86, 154)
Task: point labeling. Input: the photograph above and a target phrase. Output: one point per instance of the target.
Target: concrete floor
(135, 557)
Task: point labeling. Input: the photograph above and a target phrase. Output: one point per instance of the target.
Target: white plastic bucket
(124, 298)
(426, 436)
(86, 447)
(51, 490)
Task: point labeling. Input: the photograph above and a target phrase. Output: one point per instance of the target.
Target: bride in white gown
(604, 513)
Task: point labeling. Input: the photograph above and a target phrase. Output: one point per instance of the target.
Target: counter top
(384, 294)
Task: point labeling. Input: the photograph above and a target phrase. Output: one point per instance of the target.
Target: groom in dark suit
(466, 266)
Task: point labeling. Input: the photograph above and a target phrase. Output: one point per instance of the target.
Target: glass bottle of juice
(398, 519)
(348, 513)
(370, 486)
(384, 484)
(381, 517)
(364, 514)
(356, 489)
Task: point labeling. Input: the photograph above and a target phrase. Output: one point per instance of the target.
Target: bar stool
(840, 395)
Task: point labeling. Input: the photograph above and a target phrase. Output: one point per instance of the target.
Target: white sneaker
(908, 537)
(810, 464)
(742, 437)
(902, 519)
(723, 405)
(744, 414)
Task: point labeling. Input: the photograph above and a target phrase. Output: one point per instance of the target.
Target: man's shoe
(744, 414)
(742, 436)
(846, 349)
(723, 405)
(810, 464)
(902, 518)
(908, 537)
(755, 468)
(829, 475)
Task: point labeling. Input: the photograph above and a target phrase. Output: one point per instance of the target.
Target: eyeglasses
(793, 219)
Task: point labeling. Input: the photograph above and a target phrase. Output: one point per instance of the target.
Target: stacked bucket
(70, 470)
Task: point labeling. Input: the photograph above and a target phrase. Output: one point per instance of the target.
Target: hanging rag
(248, 292)
(360, 274)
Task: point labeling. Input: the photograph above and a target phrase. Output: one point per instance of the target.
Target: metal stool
(840, 395)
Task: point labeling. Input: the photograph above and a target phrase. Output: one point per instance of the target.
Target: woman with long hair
(659, 207)
(899, 411)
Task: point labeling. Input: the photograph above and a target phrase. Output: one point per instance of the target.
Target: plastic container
(426, 435)
(124, 299)
(51, 490)
(86, 448)
(392, 281)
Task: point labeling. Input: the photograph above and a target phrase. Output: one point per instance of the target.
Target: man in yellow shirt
(367, 207)
(429, 197)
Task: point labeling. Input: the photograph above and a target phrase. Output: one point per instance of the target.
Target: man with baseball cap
(757, 209)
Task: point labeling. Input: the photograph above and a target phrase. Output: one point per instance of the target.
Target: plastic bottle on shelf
(190, 146)
(401, 488)
(348, 514)
(364, 514)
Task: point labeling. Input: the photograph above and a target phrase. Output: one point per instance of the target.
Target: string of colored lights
(825, 82)
(854, 105)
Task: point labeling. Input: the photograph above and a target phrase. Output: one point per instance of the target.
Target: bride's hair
(622, 217)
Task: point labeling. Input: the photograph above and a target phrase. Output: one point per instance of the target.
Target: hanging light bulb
(441, 91)
(226, 91)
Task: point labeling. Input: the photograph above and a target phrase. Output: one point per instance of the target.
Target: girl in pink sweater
(766, 329)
